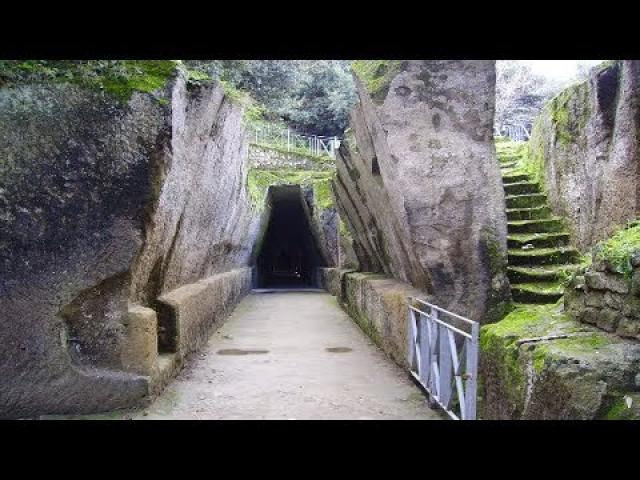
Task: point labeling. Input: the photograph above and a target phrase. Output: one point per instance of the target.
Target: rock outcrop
(585, 151)
(539, 364)
(419, 184)
(104, 206)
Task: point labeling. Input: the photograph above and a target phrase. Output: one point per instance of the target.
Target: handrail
(446, 367)
(275, 135)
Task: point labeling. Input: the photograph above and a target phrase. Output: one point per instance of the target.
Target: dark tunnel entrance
(289, 256)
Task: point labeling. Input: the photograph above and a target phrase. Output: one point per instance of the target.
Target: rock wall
(585, 152)
(600, 296)
(540, 364)
(105, 206)
(419, 184)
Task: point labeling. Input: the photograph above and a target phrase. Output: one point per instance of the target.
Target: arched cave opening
(288, 256)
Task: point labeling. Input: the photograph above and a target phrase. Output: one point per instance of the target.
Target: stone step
(507, 165)
(538, 240)
(537, 292)
(520, 188)
(526, 201)
(533, 213)
(547, 273)
(542, 256)
(540, 225)
(511, 177)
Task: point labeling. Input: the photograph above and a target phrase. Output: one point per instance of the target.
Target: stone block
(603, 281)
(140, 348)
(607, 320)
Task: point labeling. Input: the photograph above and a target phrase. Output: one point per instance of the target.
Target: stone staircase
(539, 255)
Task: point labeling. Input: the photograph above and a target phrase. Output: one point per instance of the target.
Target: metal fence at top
(517, 132)
(443, 358)
(285, 138)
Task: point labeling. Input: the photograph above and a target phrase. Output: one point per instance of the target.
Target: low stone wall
(191, 312)
(607, 299)
(159, 342)
(377, 303)
(265, 157)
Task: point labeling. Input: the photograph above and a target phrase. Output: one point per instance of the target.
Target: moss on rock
(259, 181)
(376, 76)
(618, 250)
(120, 78)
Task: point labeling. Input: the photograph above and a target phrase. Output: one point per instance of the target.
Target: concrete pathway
(290, 356)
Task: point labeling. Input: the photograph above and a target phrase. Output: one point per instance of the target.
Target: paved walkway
(290, 356)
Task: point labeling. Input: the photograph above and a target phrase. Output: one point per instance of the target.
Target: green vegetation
(376, 75)
(119, 78)
(299, 152)
(312, 96)
(618, 250)
(259, 181)
(570, 112)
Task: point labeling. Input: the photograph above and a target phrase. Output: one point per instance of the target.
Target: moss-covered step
(546, 273)
(514, 176)
(546, 225)
(538, 240)
(542, 256)
(526, 201)
(519, 188)
(533, 213)
(539, 292)
(510, 164)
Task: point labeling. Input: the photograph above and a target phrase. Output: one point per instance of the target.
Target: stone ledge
(195, 311)
(378, 304)
(538, 363)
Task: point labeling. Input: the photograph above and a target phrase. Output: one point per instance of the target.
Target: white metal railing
(517, 132)
(443, 358)
(285, 138)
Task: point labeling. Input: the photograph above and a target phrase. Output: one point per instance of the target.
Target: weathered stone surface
(525, 374)
(608, 301)
(602, 281)
(101, 204)
(419, 185)
(586, 149)
(140, 345)
(190, 313)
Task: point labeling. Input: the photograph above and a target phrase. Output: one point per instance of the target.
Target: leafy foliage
(618, 250)
(312, 96)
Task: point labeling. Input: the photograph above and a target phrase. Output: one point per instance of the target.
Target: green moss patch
(259, 181)
(322, 160)
(119, 78)
(376, 76)
(570, 112)
(618, 250)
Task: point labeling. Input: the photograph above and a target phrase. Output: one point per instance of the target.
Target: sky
(558, 69)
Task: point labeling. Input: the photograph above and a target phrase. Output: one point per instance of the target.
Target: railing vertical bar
(472, 372)
(444, 362)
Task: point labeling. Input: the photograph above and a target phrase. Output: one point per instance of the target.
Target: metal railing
(443, 358)
(517, 132)
(285, 138)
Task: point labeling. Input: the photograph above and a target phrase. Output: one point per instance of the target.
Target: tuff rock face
(102, 206)
(419, 185)
(585, 150)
